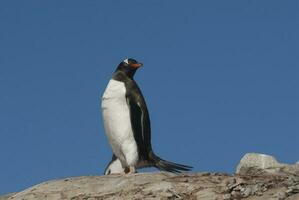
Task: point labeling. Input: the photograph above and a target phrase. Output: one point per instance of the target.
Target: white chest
(114, 90)
(116, 112)
(117, 122)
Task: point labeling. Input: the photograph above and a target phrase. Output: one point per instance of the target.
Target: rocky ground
(257, 177)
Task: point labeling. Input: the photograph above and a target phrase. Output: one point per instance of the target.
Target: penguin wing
(112, 160)
(140, 124)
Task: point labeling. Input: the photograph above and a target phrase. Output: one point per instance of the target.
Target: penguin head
(129, 66)
(130, 63)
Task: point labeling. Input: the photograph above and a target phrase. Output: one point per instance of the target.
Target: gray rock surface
(207, 186)
(256, 180)
(258, 164)
(5, 197)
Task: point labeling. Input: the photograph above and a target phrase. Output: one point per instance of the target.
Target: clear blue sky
(220, 79)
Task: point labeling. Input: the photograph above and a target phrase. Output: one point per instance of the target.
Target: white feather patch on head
(126, 61)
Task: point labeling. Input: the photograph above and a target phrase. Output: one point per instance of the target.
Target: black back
(139, 115)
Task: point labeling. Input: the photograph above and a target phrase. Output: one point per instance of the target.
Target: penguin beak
(136, 65)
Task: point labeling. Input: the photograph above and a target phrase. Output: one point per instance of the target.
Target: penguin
(127, 124)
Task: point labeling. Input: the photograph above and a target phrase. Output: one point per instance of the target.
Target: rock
(136, 186)
(226, 197)
(293, 197)
(247, 192)
(290, 169)
(297, 162)
(5, 197)
(258, 164)
(161, 185)
(258, 177)
(281, 195)
(257, 161)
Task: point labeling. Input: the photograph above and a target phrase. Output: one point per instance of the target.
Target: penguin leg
(130, 170)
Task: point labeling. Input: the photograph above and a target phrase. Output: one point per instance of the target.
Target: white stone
(259, 161)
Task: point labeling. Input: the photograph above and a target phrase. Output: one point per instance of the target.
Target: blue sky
(220, 79)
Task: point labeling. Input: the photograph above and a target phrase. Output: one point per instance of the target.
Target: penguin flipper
(141, 125)
(110, 163)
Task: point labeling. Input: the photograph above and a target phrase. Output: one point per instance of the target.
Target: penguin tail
(168, 166)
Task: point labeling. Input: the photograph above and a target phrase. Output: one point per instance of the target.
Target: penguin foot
(130, 170)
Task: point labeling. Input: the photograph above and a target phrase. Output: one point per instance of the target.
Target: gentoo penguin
(127, 124)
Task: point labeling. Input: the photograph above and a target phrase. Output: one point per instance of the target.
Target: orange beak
(136, 65)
